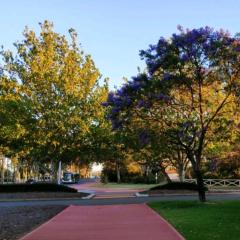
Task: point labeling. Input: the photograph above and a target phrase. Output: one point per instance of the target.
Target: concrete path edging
(138, 194)
(90, 196)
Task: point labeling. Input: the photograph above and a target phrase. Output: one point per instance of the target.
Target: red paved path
(111, 222)
(106, 192)
(93, 187)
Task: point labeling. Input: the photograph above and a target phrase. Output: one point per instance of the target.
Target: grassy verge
(125, 185)
(198, 221)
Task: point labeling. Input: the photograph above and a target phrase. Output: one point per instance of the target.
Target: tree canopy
(189, 92)
(60, 93)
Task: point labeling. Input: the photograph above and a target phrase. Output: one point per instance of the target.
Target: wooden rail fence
(218, 182)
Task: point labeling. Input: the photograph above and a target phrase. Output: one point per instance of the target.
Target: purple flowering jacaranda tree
(192, 82)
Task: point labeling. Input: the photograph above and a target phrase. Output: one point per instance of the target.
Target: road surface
(127, 200)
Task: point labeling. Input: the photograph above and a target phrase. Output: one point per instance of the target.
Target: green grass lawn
(125, 185)
(202, 221)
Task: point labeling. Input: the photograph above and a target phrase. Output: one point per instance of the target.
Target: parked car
(31, 181)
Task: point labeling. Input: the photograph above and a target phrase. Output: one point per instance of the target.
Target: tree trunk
(181, 174)
(195, 164)
(59, 173)
(2, 170)
(54, 170)
(118, 172)
(147, 171)
(200, 183)
(165, 174)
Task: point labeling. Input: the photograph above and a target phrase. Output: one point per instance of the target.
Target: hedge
(35, 187)
(177, 186)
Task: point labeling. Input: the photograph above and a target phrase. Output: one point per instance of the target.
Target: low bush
(35, 187)
(177, 186)
(143, 179)
(109, 175)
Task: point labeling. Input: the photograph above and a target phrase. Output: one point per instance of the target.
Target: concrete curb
(36, 199)
(224, 191)
(90, 196)
(219, 193)
(141, 195)
(183, 194)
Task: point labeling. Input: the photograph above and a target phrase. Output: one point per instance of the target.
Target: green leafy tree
(61, 86)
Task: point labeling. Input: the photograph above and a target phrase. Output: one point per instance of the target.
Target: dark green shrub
(109, 174)
(144, 179)
(211, 175)
(177, 186)
(222, 168)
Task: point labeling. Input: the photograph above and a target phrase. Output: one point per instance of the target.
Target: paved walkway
(106, 192)
(94, 188)
(112, 222)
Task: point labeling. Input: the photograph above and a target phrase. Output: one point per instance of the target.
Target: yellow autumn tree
(61, 88)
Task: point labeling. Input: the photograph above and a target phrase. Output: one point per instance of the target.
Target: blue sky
(113, 32)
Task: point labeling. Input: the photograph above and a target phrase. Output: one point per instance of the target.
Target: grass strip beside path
(202, 221)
